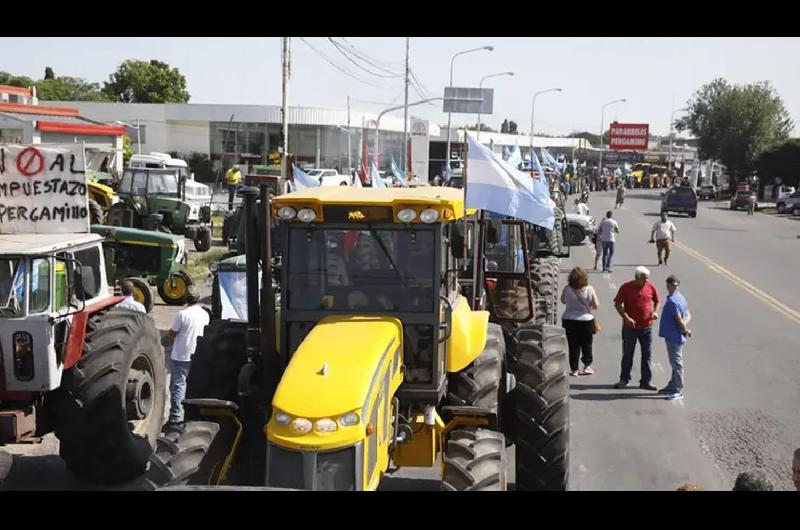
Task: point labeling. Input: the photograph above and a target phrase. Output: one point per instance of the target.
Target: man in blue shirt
(674, 321)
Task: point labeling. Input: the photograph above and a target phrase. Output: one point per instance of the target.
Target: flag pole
(466, 152)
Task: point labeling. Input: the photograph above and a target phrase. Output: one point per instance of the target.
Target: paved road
(742, 405)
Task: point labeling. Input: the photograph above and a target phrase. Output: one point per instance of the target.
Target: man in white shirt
(187, 326)
(129, 303)
(606, 230)
(663, 234)
(581, 208)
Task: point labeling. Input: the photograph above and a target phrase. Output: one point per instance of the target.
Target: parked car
(329, 177)
(707, 193)
(742, 199)
(579, 226)
(789, 204)
(680, 199)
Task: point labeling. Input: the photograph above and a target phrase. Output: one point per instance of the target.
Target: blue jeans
(178, 372)
(231, 194)
(629, 338)
(675, 352)
(608, 253)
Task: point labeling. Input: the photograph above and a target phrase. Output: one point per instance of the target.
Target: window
(89, 259)
(40, 285)
(12, 287)
(163, 183)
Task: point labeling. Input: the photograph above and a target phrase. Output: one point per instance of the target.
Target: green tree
(15, 80)
(484, 128)
(735, 124)
(782, 162)
(146, 82)
(127, 150)
(68, 89)
(48, 73)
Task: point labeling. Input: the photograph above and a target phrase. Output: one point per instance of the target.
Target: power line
(349, 58)
(374, 62)
(332, 63)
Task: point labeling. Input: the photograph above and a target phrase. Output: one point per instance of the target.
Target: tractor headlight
(286, 213)
(281, 418)
(23, 355)
(406, 215)
(306, 215)
(429, 216)
(300, 425)
(351, 418)
(325, 425)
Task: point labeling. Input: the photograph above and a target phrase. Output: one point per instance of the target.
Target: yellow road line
(771, 301)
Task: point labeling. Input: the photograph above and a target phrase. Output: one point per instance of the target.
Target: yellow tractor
(101, 198)
(376, 360)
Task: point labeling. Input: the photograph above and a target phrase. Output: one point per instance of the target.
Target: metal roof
(47, 117)
(29, 244)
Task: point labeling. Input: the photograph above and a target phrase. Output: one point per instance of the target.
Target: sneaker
(587, 370)
(648, 386)
(621, 384)
(665, 390)
(574, 373)
(672, 397)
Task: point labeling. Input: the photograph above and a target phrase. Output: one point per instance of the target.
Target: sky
(655, 75)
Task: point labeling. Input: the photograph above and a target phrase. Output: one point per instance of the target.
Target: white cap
(642, 270)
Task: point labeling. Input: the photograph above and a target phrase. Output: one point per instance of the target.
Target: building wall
(188, 137)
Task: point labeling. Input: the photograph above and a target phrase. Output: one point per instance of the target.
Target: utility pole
(405, 112)
(138, 137)
(349, 133)
(285, 109)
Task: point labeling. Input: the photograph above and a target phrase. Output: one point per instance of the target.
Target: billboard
(629, 136)
(420, 148)
(463, 100)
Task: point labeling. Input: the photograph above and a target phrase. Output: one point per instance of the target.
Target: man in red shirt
(637, 304)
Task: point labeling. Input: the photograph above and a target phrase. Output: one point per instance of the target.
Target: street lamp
(449, 115)
(138, 134)
(602, 123)
(390, 109)
(533, 109)
(671, 120)
(480, 86)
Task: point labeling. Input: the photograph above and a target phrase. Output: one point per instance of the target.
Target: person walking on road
(579, 299)
(581, 208)
(620, 197)
(673, 329)
(233, 177)
(187, 326)
(637, 303)
(663, 234)
(129, 302)
(751, 203)
(606, 230)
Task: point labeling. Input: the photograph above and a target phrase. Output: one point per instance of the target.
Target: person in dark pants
(637, 303)
(579, 299)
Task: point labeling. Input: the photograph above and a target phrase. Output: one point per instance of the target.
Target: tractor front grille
(329, 471)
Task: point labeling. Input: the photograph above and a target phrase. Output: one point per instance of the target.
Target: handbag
(595, 324)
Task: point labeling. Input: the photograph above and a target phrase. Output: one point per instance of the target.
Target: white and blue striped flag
(514, 157)
(398, 175)
(375, 177)
(493, 185)
(302, 180)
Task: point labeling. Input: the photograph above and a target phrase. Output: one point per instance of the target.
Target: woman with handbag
(579, 299)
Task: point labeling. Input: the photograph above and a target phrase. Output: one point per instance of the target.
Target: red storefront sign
(629, 136)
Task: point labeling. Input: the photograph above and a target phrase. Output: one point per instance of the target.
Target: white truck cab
(329, 177)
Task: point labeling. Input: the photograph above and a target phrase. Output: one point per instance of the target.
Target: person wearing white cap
(637, 303)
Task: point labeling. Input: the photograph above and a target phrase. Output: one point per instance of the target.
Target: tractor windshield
(12, 287)
(163, 182)
(146, 181)
(362, 270)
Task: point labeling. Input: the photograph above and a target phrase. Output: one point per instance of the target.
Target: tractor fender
(77, 332)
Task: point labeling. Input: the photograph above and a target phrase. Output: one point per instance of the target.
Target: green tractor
(162, 199)
(146, 258)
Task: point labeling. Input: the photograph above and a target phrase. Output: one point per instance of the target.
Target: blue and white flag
(374, 176)
(302, 180)
(357, 180)
(398, 175)
(514, 157)
(536, 169)
(493, 185)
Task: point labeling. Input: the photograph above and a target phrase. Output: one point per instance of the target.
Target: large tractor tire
(96, 215)
(180, 457)
(544, 276)
(110, 406)
(202, 240)
(475, 460)
(142, 292)
(220, 354)
(175, 289)
(480, 383)
(541, 409)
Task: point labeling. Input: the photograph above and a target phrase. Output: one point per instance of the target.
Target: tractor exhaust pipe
(252, 256)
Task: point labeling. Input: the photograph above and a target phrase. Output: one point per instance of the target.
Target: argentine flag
(495, 186)
(514, 158)
(302, 180)
(377, 181)
(398, 175)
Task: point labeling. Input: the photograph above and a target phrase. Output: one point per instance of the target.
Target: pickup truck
(681, 199)
(329, 177)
